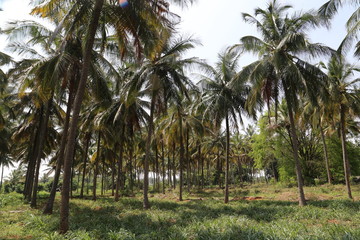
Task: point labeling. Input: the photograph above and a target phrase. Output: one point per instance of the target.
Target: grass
(254, 212)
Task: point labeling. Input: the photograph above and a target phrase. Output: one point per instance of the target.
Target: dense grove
(107, 102)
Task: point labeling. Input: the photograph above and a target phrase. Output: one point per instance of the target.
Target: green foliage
(11, 199)
(263, 149)
(336, 160)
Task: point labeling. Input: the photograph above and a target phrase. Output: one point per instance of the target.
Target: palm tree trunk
(102, 178)
(2, 175)
(344, 151)
(64, 210)
(146, 203)
(95, 181)
(113, 171)
(188, 162)
(157, 168)
(226, 200)
(48, 209)
(163, 166)
(88, 183)
(72, 179)
(87, 139)
(302, 201)
(29, 159)
(202, 170)
(174, 166)
(96, 167)
(120, 163)
(42, 137)
(181, 157)
(32, 161)
(325, 155)
(131, 170)
(169, 167)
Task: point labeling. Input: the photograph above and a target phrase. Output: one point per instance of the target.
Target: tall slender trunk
(157, 185)
(146, 203)
(188, 162)
(344, 150)
(120, 163)
(96, 167)
(30, 166)
(48, 209)
(113, 171)
(218, 169)
(181, 157)
(2, 175)
(95, 181)
(202, 168)
(327, 165)
(64, 209)
(87, 140)
(42, 140)
(72, 180)
(302, 201)
(169, 167)
(88, 183)
(131, 185)
(32, 160)
(207, 171)
(226, 200)
(174, 166)
(103, 178)
(163, 166)
(78, 180)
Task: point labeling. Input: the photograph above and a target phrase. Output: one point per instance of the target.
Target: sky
(217, 24)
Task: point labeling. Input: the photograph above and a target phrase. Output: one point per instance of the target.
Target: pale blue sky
(216, 24)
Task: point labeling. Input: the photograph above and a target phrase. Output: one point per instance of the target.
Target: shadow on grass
(166, 219)
(336, 204)
(177, 220)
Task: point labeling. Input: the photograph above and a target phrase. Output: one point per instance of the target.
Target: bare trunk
(302, 201)
(32, 161)
(146, 203)
(42, 140)
(131, 170)
(202, 169)
(174, 166)
(226, 200)
(87, 139)
(157, 185)
(48, 209)
(181, 157)
(113, 171)
(169, 167)
(102, 178)
(31, 165)
(327, 165)
(163, 166)
(95, 182)
(64, 210)
(188, 162)
(2, 175)
(88, 183)
(97, 160)
(344, 151)
(119, 165)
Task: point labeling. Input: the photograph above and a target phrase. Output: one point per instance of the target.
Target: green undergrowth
(202, 215)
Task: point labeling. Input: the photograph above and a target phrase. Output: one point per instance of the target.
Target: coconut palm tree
(164, 78)
(280, 68)
(345, 100)
(224, 100)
